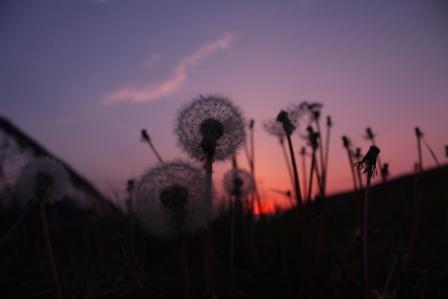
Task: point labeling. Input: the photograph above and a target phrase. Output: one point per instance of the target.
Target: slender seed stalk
(147, 139)
(304, 173)
(322, 159)
(365, 236)
(296, 174)
(49, 248)
(184, 270)
(288, 164)
(312, 169)
(419, 149)
(431, 151)
(327, 151)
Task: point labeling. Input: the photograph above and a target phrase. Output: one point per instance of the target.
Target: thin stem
(420, 157)
(288, 164)
(154, 150)
(296, 174)
(209, 250)
(365, 236)
(312, 169)
(304, 175)
(431, 151)
(49, 248)
(390, 275)
(322, 160)
(184, 270)
(327, 152)
(350, 160)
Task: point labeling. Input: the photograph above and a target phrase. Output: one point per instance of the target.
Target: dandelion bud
(283, 118)
(345, 141)
(145, 136)
(303, 151)
(329, 122)
(418, 133)
(251, 124)
(369, 133)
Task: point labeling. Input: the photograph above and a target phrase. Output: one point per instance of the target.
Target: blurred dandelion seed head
(275, 127)
(368, 163)
(238, 182)
(43, 179)
(170, 199)
(210, 125)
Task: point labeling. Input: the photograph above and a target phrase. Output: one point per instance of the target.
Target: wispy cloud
(152, 60)
(176, 80)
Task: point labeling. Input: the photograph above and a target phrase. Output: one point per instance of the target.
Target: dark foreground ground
(312, 252)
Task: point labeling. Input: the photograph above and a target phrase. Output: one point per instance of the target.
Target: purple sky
(83, 77)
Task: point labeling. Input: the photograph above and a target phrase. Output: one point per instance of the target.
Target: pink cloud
(176, 80)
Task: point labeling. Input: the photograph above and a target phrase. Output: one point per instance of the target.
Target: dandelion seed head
(43, 179)
(238, 182)
(288, 126)
(170, 199)
(210, 125)
(368, 163)
(275, 128)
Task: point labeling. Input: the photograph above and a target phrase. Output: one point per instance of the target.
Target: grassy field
(311, 252)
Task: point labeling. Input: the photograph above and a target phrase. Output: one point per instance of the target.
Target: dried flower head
(368, 163)
(275, 128)
(418, 132)
(358, 153)
(170, 199)
(287, 125)
(144, 136)
(238, 182)
(43, 179)
(210, 126)
(346, 142)
(313, 137)
(369, 134)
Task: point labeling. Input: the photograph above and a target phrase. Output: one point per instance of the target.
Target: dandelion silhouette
(170, 199)
(313, 141)
(210, 126)
(358, 157)
(288, 128)
(238, 182)
(44, 181)
(368, 165)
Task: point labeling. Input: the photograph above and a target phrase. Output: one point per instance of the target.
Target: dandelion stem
(322, 160)
(431, 151)
(365, 237)
(327, 152)
(183, 265)
(419, 149)
(49, 248)
(296, 174)
(304, 174)
(288, 164)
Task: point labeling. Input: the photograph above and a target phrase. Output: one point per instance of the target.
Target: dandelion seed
(210, 126)
(170, 199)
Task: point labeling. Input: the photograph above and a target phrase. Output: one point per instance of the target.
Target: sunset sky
(83, 77)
